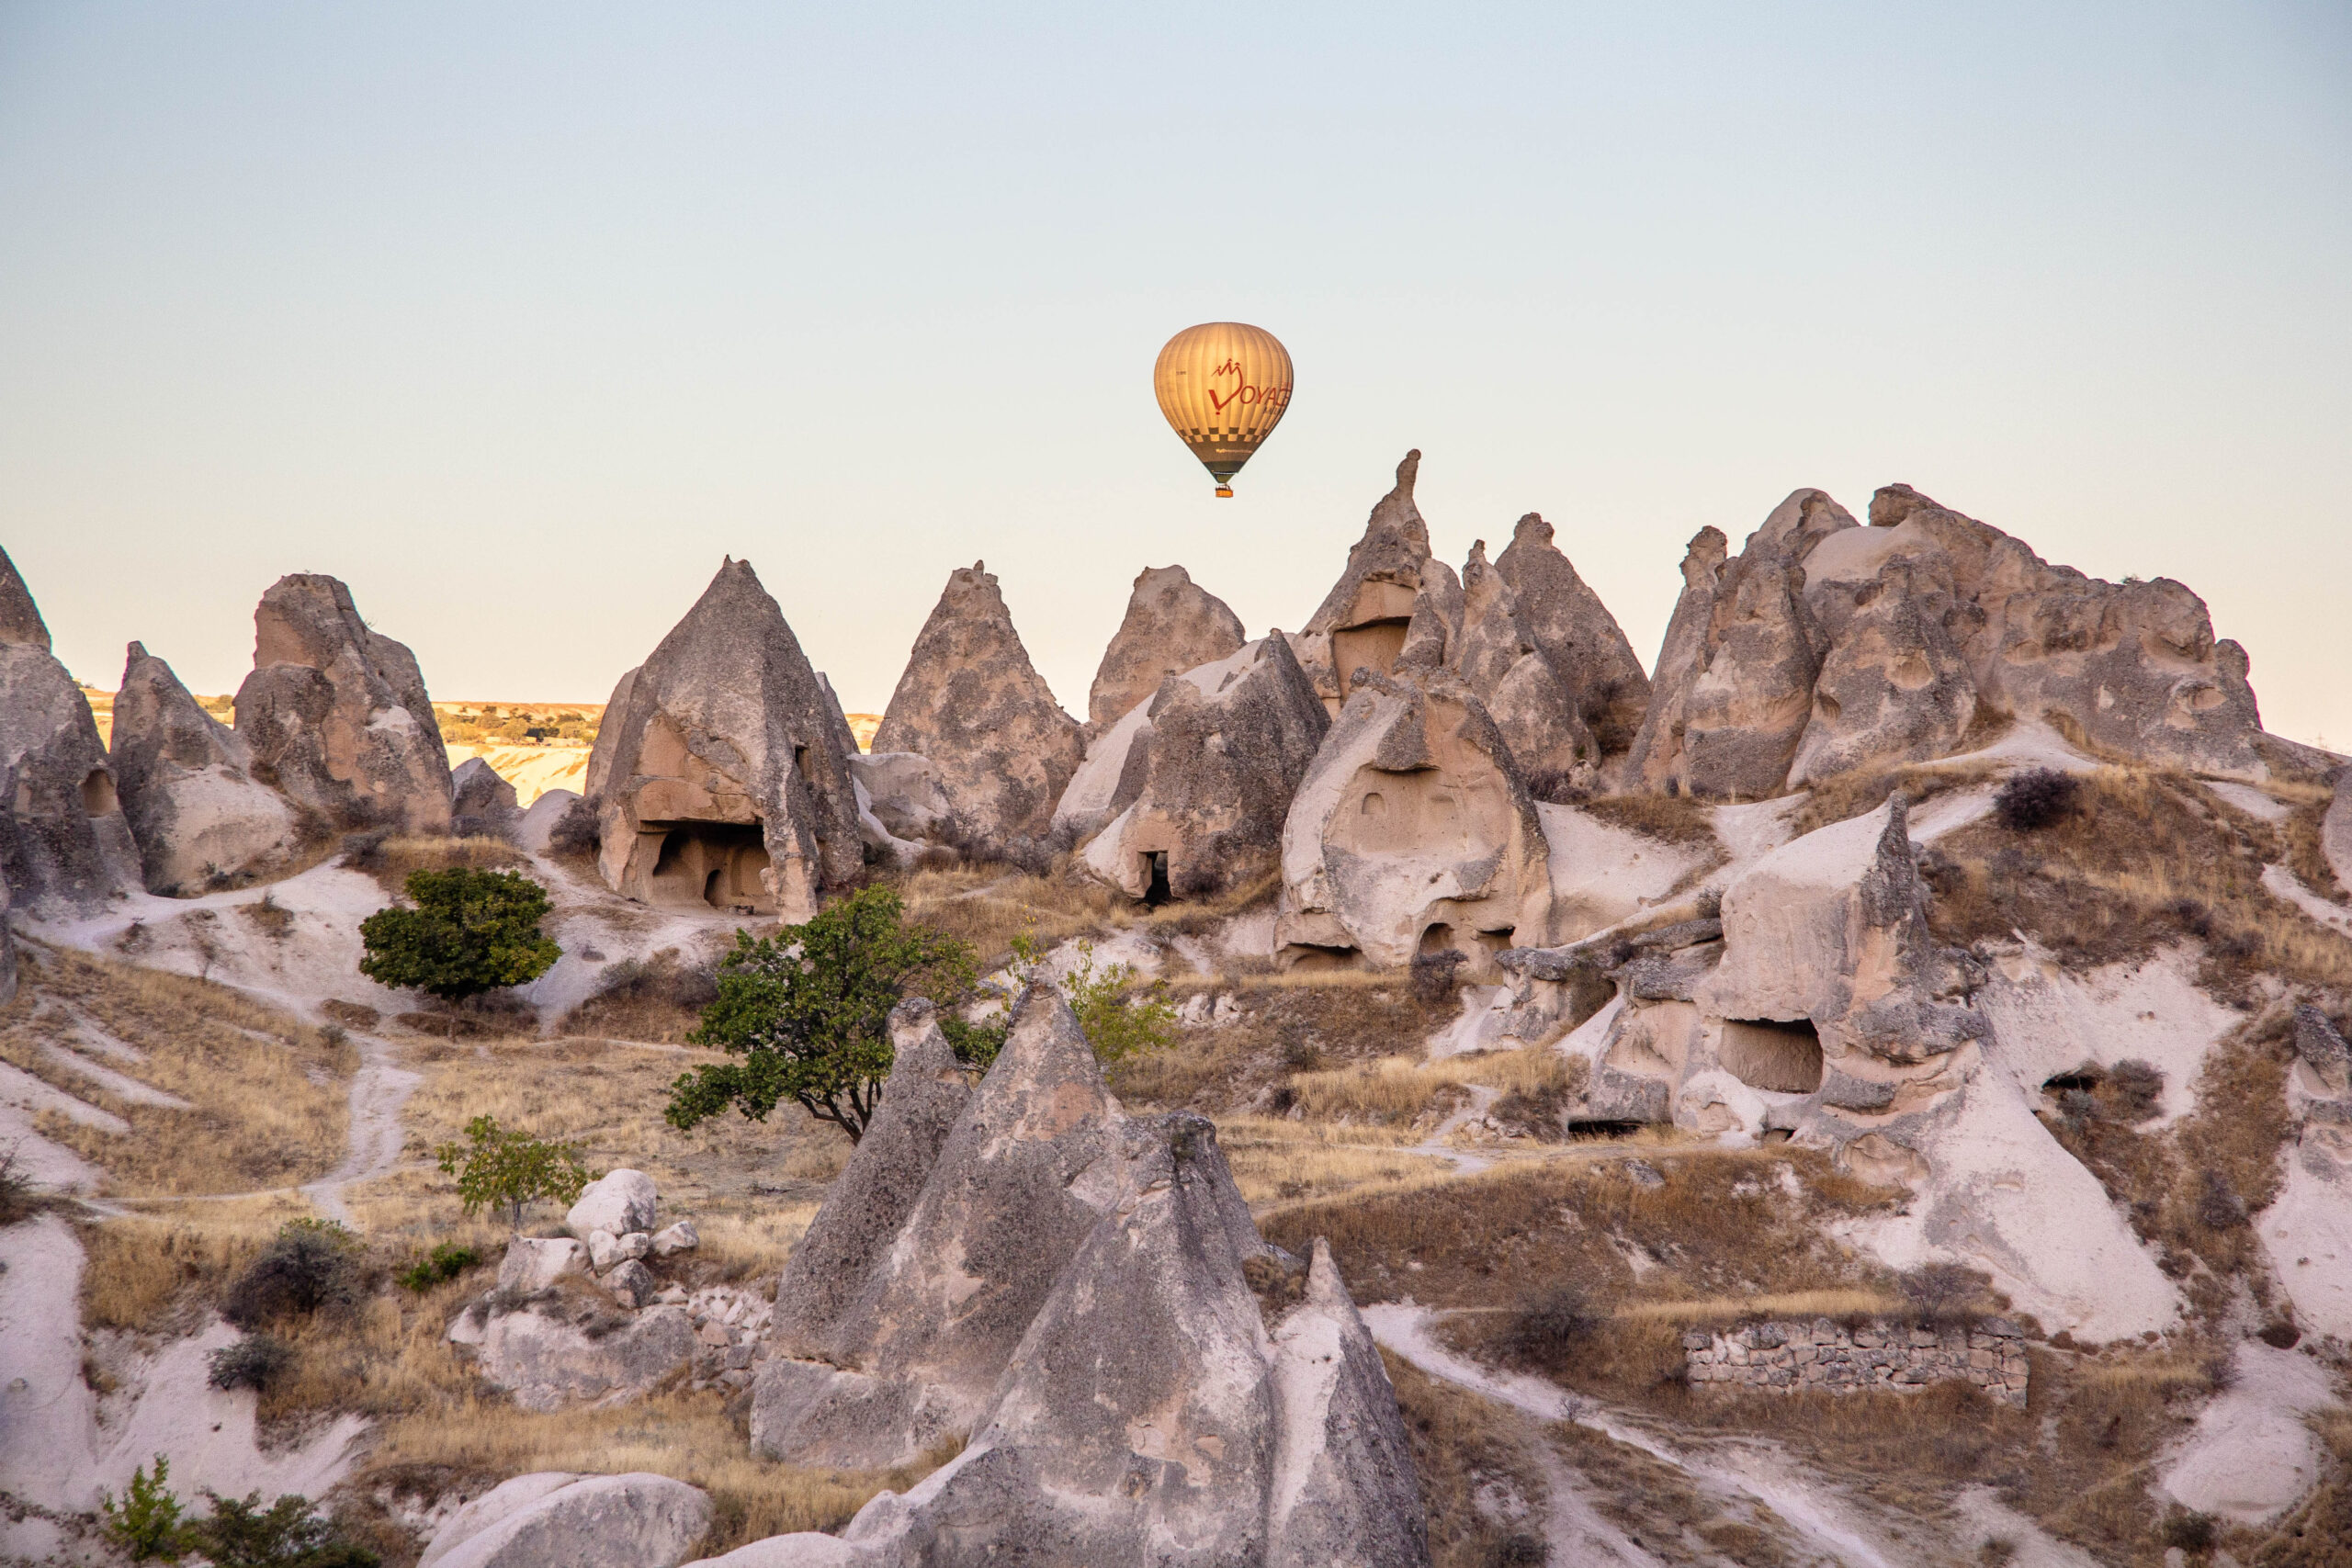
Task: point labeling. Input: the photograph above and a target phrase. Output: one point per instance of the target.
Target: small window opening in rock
(1439, 938)
(1595, 1128)
(1775, 1135)
(97, 795)
(1376, 805)
(803, 766)
(2058, 1083)
(1155, 869)
(1768, 1053)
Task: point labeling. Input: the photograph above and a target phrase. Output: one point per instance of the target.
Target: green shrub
(446, 1261)
(471, 931)
(310, 1264)
(286, 1534)
(146, 1524)
(498, 1168)
(255, 1361)
(1116, 1025)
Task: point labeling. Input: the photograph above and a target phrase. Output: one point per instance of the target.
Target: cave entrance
(1154, 867)
(1769, 1054)
(1587, 1129)
(97, 795)
(716, 864)
(1373, 645)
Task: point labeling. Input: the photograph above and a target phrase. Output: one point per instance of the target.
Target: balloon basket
(1225, 493)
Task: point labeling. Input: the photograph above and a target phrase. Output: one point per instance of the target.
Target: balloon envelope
(1223, 387)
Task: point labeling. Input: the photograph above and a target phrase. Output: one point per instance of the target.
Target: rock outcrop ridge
(1172, 625)
(64, 840)
(1412, 831)
(335, 717)
(1363, 621)
(717, 779)
(1070, 1287)
(971, 703)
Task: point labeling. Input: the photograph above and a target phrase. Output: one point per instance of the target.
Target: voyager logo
(1247, 394)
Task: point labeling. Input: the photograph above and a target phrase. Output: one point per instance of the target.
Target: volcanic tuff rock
(869, 1203)
(201, 818)
(1363, 619)
(7, 950)
(716, 780)
(970, 701)
(63, 839)
(555, 1519)
(1172, 625)
(1209, 774)
(1498, 657)
(482, 803)
(1412, 831)
(335, 716)
(1577, 634)
(1656, 751)
(1146, 1414)
(1017, 1186)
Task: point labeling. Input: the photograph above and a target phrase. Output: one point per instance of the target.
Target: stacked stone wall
(1823, 1356)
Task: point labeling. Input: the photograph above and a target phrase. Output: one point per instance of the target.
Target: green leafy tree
(241, 1533)
(804, 1014)
(1119, 1020)
(499, 1168)
(146, 1523)
(471, 931)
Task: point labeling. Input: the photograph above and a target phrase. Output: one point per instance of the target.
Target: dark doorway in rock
(97, 795)
(2081, 1079)
(1438, 938)
(1591, 1128)
(718, 864)
(1775, 1135)
(1155, 870)
(1769, 1054)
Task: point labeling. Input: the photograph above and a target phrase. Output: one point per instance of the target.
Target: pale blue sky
(517, 318)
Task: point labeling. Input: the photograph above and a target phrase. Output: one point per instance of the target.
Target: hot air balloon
(1223, 387)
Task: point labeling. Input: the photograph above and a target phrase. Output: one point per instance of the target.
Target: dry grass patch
(1276, 1161)
(1481, 1481)
(1846, 795)
(268, 1096)
(1717, 1222)
(687, 1436)
(1785, 1305)
(390, 859)
(1300, 1023)
(142, 1271)
(1666, 1510)
(988, 906)
(1400, 1091)
(2151, 857)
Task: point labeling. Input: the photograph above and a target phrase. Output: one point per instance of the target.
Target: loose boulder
(971, 703)
(1172, 625)
(1363, 621)
(559, 1520)
(723, 786)
(1412, 832)
(483, 804)
(64, 840)
(1207, 779)
(555, 1354)
(201, 818)
(335, 716)
(618, 1202)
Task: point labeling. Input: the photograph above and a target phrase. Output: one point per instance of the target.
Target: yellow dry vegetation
(390, 859)
(1787, 1305)
(1399, 1090)
(268, 1095)
(989, 905)
(143, 1269)
(1275, 1160)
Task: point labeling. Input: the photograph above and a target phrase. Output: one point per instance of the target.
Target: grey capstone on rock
(1172, 625)
(335, 716)
(970, 701)
(201, 818)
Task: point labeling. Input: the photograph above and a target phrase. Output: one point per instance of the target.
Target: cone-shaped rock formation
(64, 840)
(202, 821)
(1172, 625)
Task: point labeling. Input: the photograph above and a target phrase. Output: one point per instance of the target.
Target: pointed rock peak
(1708, 549)
(1172, 624)
(1476, 557)
(1407, 472)
(20, 622)
(1533, 529)
(1800, 522)
(133, 654)
(1324, 1286)
(920, 1048)
(1046, 1055)
(1395, 510)
(1893, 504)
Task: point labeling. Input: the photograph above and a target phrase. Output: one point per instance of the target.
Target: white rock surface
(1602, 873)
(636, 1520)
(532, 1264)
(2251, 1457)
(679, 1238)
(2308, 1230)
(2051, 1021)
(619, 1201)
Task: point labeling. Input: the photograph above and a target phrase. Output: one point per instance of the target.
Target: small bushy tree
(471, 931)
(308, 1265)
(241, 1533)
(2037, 798)
(146, 1522)
(805, 1014)
(1117, 1018)
(499, 1168)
